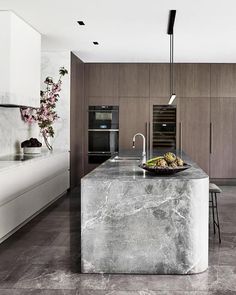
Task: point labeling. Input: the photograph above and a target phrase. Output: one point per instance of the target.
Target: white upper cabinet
(20, 62)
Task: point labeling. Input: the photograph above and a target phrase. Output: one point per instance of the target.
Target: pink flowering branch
(46, 115)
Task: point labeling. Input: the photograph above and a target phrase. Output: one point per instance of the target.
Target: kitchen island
(137, 222)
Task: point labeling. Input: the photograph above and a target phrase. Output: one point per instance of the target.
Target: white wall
(13, 130)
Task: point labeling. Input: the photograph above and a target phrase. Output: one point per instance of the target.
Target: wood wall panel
(223, 80)
(77, 120)
(134, 80)
(134, 117)
(223, 156)
(194, 116)
(105, 100)
(159, 80)
(192, 80)
(102, 80)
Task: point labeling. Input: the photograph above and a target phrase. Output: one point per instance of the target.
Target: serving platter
(165, 170)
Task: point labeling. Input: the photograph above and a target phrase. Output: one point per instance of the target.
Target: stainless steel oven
(103, 133)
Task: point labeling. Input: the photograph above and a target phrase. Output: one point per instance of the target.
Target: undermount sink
(124, 159)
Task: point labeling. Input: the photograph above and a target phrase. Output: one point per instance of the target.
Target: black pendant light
(170, 32)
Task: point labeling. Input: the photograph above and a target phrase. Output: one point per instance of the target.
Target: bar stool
(214, 190)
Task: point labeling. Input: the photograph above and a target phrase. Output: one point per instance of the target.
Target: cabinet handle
(150, 140)
(211, 138)
(180, 136)
(146, 135)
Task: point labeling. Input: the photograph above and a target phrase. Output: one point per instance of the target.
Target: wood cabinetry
(134, 117)
(223, 120)
(206, 93)
(134, 80)
(194, 129)
(102, 100)
(101, 80)
(192, 80)
(159, 80)
(78, 112)
(223, 80)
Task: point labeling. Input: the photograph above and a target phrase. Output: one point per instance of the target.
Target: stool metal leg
(217, 218)
(213, 212)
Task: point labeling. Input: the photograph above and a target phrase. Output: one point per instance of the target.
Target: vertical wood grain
(194, 115)
(159, 80)
(102, 80)
(223, 156)
(134, 80)
(192, 80)
(223, 80)
(134, 115)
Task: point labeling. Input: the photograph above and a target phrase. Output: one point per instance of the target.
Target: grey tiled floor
(44, 257)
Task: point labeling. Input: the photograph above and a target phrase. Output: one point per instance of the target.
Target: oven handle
(102, 130)
(100, 154)
(103, 110)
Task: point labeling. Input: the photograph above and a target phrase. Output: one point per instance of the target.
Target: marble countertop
(129, 170)
(6, 165)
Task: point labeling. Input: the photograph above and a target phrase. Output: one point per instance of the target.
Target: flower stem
(47, 143)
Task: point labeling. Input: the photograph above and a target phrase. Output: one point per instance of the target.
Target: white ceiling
(133, 30)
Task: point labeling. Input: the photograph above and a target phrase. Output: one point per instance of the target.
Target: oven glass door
(103, 141)
(103, 118)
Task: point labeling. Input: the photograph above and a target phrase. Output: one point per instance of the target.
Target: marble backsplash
(13, 130)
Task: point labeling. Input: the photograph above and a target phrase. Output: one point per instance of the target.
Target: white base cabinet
(16, 209)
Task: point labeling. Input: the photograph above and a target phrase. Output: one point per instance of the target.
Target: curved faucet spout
(144, 146)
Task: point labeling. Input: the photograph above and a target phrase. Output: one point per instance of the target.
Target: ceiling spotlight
(81, 23)
(95, 43)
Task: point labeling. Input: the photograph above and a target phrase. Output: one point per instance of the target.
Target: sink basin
(124, 159)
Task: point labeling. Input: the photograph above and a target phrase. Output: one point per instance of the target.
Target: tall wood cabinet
(102, 84)
(134, 118)
(193, 125)
(159, 80)
(223, 77)
(192, 80)
(223, 138)
(134, 80)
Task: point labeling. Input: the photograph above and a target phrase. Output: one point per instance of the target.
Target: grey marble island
(135, 222)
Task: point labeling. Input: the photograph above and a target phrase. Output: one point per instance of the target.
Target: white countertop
(6, 165)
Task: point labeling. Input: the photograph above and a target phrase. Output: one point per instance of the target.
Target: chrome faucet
(144, 146)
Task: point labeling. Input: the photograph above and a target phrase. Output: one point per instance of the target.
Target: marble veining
(134, 222)
(126, 170)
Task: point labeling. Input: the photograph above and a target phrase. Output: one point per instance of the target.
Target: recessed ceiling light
(95, 43)
(81, 23)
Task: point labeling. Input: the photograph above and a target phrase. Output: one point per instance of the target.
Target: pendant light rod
(170, 32)
(172, 63)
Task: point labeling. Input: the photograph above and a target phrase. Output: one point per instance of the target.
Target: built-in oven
(103, 133)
